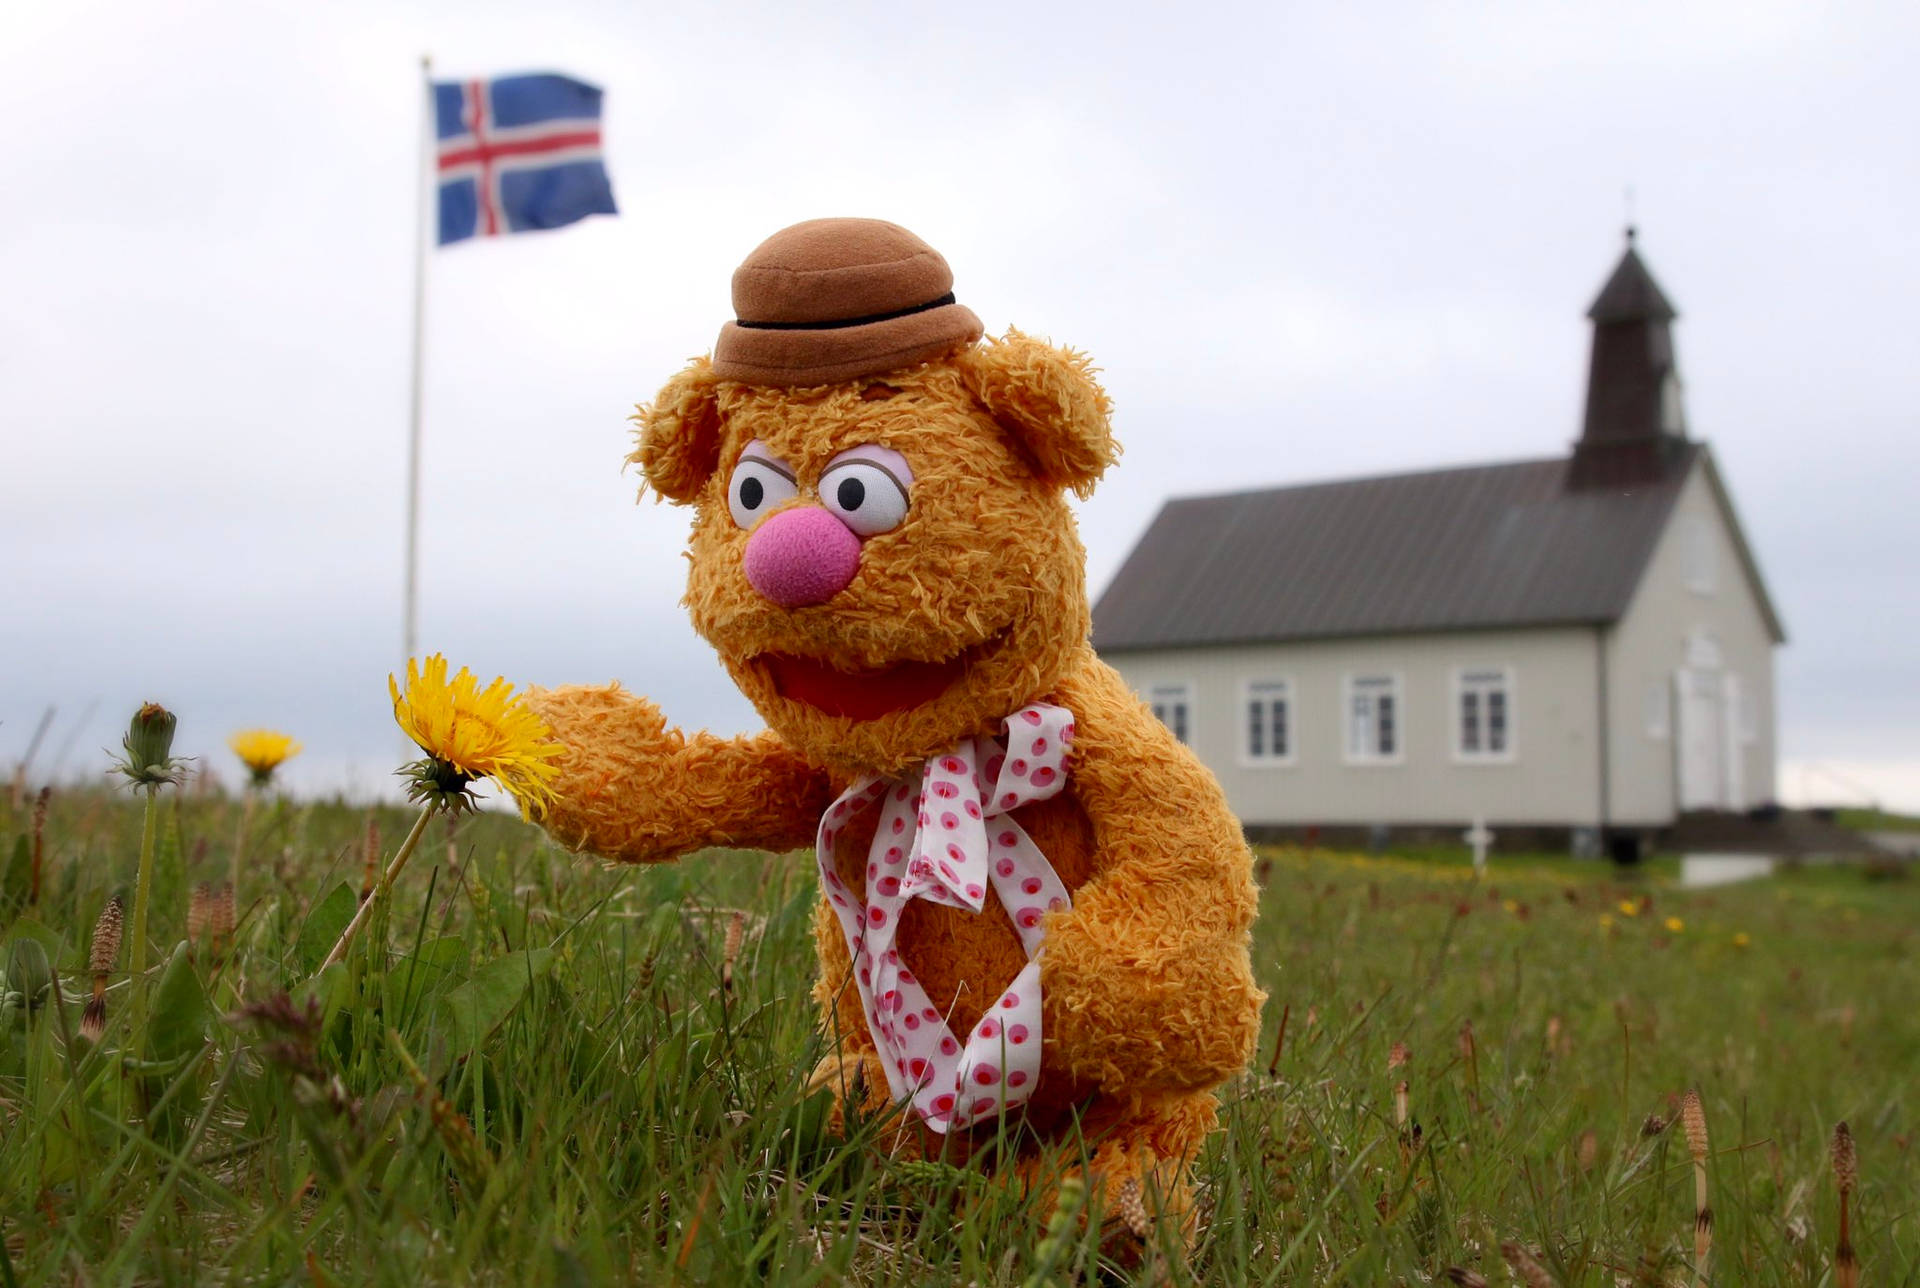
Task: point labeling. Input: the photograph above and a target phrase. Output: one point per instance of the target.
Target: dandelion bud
(149, 761)
(149, 739)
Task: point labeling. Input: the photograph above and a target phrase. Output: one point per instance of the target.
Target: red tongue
(863, 695)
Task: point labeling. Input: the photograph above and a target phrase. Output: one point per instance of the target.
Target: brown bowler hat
(835, 299)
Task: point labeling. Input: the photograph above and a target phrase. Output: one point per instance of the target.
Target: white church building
(1580, 642)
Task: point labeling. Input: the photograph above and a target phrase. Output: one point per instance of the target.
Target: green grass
(592, 1106)
(1875, 820)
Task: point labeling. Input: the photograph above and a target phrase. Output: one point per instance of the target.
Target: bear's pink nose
(801, 556)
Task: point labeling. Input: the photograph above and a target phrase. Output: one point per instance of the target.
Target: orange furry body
(971, 607)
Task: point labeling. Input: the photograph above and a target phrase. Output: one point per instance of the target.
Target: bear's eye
(867, 489)
(759, 483)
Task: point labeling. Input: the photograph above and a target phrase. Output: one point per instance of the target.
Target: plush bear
(1033, 900)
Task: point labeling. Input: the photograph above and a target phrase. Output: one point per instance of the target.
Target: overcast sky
(1304, 241)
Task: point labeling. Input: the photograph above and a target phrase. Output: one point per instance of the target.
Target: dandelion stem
(143, 887)
(380, 891)
(240, 840)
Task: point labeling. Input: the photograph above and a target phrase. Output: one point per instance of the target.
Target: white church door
(1731, 718)
(1700, 738)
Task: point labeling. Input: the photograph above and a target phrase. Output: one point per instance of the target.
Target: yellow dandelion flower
(468, 733)
(1741, 939)
(1675, 925)
(1628, 908)
(262, 751)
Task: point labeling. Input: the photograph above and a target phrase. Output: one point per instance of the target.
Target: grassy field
(534, 1071)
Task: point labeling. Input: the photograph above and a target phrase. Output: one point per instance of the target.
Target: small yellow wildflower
(1675, 925)
(1606, 921)
(468, 733)
(1741, 939)
(262, 751)
(1628, 908)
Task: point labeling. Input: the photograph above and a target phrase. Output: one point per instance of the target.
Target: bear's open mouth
(862, 695)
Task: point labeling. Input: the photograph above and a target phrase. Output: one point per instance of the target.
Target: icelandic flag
(518, 153)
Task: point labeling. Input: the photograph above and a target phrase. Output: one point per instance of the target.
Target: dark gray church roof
(1483, 547)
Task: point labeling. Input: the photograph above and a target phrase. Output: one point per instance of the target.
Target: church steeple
(1635, 422)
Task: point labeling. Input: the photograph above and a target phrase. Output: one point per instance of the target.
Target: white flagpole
(422, 182)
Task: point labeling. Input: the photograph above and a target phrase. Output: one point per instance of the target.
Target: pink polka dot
(1009, 800)
(916, 1068)
(877, 916)
(906, 976)
(1018, 768)
(982, 1105)
(900, 792)
(1016, 1033)
(955, 853)
(948, 1046)
(986, 1074)
(1010, 1001)
(899, 825)
(1056, 903)
(1031, 716)
(895, 854)
(892, 998)
(1027, 918)
(989, 1028)
(911, 1021)
(945, 791)
(890, 957)
(839, 808)
(950, 820)
(1008, 839)
(930, 1013)
(866, 975)
(1039, 746)
(993, 766)
(923, 818)
(952, 764)
(1018, 1078)
(1004, 867)
(1031, 885)
(946, 870)
(1043, 777)
(833, 879)
(888, 886)
(841, 900)
(972, 808)
(943, 1104)
(975, 892)
(826, 837)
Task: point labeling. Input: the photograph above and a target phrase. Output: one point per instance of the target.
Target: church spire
(1635, 422)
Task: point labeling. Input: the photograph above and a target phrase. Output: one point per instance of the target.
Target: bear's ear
(1047, 397)
(679, 435)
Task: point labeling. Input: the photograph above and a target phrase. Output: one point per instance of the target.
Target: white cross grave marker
(1479, 838)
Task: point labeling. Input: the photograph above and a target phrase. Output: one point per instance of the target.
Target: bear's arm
(1147, 982)
(633, 790)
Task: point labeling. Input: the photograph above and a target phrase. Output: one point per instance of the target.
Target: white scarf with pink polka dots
(946, 844)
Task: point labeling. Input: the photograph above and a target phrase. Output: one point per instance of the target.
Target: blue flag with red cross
(518, 153)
